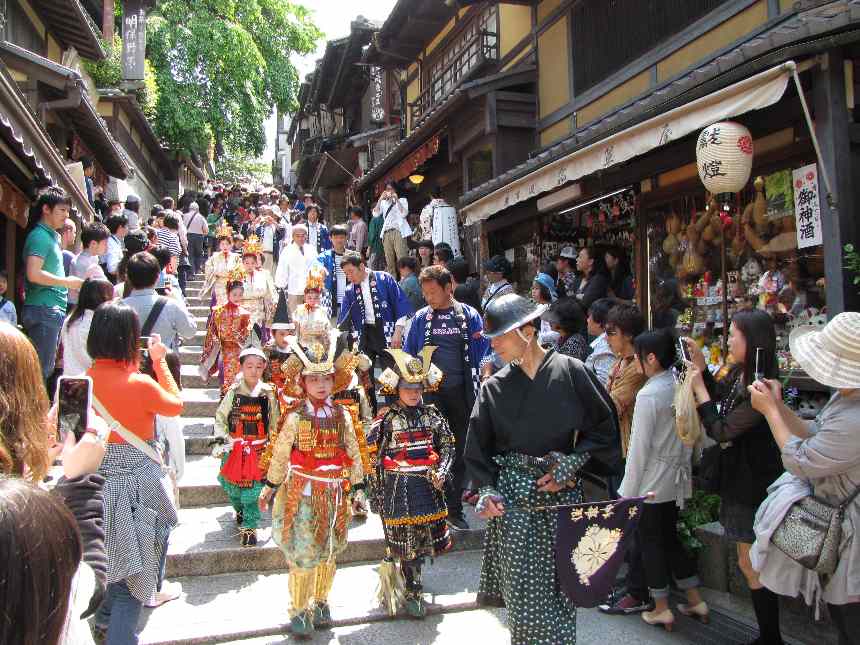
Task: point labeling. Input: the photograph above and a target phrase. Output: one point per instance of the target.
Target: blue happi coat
(329, 297)
(389, 304)
(476, 347)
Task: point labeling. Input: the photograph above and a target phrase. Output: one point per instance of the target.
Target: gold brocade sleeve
(356, 473)
(281, 452)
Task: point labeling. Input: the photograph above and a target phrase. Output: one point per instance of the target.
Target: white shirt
(76, 360)
(195, 223)
(395, 219)
(114, 253)
(292, 271)
(340, 278)
(313, 234)
(369, 316)
(268, 238)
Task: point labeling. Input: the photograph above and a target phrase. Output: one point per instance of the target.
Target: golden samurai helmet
(252, 246)
(322, 359)
(412, 371)
(316, 278)
(236, 276)
(224, 230)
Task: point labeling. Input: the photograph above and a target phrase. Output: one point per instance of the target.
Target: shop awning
(72, 103)
(409, 165)
(37, 152)
(754, 93)
(335, 168)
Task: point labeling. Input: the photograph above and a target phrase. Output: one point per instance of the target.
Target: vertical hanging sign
(807, 207)
(133, 39)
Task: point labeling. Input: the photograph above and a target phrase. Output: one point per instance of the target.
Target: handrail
(441, 85)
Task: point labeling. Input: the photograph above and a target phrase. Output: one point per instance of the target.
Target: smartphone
(759, 363)
(685, 352)
(143, 343)
(74, 398)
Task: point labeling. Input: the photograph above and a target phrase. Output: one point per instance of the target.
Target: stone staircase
(231, 593)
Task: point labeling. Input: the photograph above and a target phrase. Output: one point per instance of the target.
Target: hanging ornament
(724, 155)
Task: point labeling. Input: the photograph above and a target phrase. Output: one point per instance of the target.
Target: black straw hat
(509, 312)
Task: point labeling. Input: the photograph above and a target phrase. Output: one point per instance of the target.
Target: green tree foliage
(107, 73)
(236, 168)
(221, 67)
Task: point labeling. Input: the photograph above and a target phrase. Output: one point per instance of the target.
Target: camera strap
(152, 318)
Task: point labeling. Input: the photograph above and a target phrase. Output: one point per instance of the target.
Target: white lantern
(724, 155)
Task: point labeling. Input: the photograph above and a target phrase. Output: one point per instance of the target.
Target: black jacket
(752, 462)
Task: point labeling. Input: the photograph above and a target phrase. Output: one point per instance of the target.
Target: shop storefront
(694, 264)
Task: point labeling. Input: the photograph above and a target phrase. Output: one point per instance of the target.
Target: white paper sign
(807, 207)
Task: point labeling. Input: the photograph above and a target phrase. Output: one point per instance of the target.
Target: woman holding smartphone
(749, 459)
(135, 541)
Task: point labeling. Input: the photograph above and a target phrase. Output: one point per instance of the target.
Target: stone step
(206, 541)
(201, 322)
(196, 340)
(199, 311)
(197, 301)
(200, 402)
(446, 628)
(191, 377)
(251, 604)
(190, 355)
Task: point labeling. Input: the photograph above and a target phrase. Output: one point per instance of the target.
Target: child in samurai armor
(311, 317)
(316, 467)
(354, 399)
(246, 417)
(218, 267)
(278, 349)
(415, 452)
(227, 334)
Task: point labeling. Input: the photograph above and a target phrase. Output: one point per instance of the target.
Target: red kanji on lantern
(745, 145)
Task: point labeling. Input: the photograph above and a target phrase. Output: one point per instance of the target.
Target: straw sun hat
(830, 355)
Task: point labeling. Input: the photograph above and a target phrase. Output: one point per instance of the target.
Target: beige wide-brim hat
(830, 355)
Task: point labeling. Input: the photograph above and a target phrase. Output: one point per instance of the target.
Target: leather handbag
(811, 532)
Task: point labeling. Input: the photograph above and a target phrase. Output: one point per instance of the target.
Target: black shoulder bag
(172, 358)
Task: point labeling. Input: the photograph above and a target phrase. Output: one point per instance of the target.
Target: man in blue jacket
(335, 279)
(373, 302)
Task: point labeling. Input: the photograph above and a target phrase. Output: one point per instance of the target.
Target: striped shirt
(170, 239)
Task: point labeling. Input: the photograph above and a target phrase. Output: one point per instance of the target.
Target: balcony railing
(379, 146)
(479, 50)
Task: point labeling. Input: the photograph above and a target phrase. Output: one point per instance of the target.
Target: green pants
(244, 500)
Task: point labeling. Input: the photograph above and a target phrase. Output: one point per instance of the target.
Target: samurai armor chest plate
(321, 437)
(249, 416)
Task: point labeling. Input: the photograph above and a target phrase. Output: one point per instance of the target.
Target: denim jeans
(119, 615)
(43, 325)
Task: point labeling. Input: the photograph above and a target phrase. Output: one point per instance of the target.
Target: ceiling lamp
(416, 179)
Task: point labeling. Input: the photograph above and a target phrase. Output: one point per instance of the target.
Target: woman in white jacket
(76, 360)
(658, 462)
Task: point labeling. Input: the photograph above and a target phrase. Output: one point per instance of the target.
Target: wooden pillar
(108, 21)
(832, 125)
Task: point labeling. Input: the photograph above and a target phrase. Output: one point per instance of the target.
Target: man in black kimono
(537, 422)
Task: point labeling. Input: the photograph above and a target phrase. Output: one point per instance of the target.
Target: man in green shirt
(46, 283)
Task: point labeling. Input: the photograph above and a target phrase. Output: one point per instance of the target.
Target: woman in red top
(139, 511)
